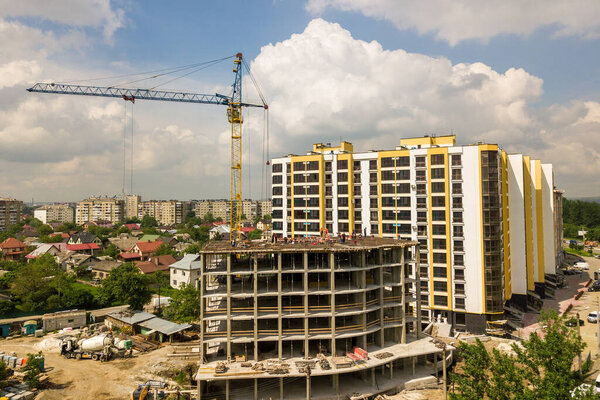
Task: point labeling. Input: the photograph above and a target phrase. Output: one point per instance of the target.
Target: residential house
(71, 260)
(124, 242)
(145, 249)
(170, 240)
(222, 232)
(186, 271)
(84, 238)
(263, 224)
(156, 263)
(47, 248)
(102, 269)
(12, 249)
(84, 248)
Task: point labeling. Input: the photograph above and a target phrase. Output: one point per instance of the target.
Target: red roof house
(85, 248)
(145, 249)
(12, 249)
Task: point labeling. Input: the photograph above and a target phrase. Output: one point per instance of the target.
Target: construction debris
(342, 362)
(381, 356)
(221, 368)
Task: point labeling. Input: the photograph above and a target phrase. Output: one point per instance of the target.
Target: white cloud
(458, 20)
(75, 13)
(323, 84)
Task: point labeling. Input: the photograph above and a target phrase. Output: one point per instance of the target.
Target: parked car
(593, 317)
(594, 288)
(582, 265)
(572, 322)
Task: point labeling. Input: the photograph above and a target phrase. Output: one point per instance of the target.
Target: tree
(165, 249)
(149, 222)
(6, 307)
(45, 229)
(33, 369)
(268, 217)
(122, 229)
(133, 220)
(34, 282)
(541, 368)
(193, 249)
(51, 239)
(126, 285)
(208, 218)
(184, 305)
(255, 234)
(111, 250)
(190, 214)
(68, 227)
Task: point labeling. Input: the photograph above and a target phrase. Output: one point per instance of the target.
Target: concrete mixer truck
(100, 347)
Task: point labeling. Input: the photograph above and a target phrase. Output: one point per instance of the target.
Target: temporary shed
(162, 329)
(64, 319)
(29, 327)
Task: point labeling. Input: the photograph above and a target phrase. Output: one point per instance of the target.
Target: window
(174, 283)
(372, 164)
(342, 189)
(421, 202)
(403, 161)
(457, 174)
(420, 161)
(459, 259)
(342, 202)
(458, 231)
(459, 303)
(342, 177)
(357, 203)
(438, 201)
(356, 165)
(440, 301)
(437, 159)
(439, 258)
(373, 177)
(456, 159)
(438, 187)
(328, 203)
(458, 245)
(420, 175)
(277, 167)
(342, 164)
(183, 273)
(439, 244)
(403, 201)
(421, 216)
(457, 188)
(457, 216)
(437, 173)
(459, 274)
(373, 203)
(438, 215)
(277, 190)
(457, 202)
(387, 162)
(327, 165)
(439, 229)
(440, 286)
(403, 188)
(421, 189)
(342, 214)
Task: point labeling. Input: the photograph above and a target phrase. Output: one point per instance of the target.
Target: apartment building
(10, 212)
(265, 207)
(100, 209)
(166, 212)
(55, 212)
(485, 219)
(202, 208)
(132, 202)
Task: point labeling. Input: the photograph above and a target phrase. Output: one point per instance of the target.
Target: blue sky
(368, 71)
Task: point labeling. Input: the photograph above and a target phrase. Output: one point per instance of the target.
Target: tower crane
(233, 103)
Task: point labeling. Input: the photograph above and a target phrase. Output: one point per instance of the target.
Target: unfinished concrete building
(270, 309)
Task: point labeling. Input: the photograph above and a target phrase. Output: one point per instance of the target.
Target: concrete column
(255, 389)
(372, 376)
(403, 294)
(228, 311)
(306, 330)
(308, 386)
(199, 389)
(279, 309)
(381, 294)
(202, 307)
(337, 385)
(392, 370)
(280, 388)
(227, 389)
(255, 277)
(417, 253)
(363, 297)
(413, 359)
(332, 284)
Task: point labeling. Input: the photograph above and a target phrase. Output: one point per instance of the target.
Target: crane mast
(234, 105)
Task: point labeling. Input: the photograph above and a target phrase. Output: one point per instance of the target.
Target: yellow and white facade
(485, 219)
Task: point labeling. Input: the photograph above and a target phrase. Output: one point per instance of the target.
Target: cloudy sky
(523, 75)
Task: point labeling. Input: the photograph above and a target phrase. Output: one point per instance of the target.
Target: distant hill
(591, 199)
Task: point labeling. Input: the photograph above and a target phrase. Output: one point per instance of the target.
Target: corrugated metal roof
(131, 317)
(188, 262)
(164, 326)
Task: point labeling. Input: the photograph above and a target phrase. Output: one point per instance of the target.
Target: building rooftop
(310, 244)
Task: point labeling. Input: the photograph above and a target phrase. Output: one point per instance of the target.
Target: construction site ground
(72, 379)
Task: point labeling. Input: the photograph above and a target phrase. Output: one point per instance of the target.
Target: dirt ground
(87, 379)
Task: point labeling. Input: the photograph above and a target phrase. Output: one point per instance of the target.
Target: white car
(593, 317)
(582, 265)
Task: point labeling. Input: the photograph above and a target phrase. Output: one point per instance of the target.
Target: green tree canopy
(541, 369)
(149, 222)
(165, 249)
(255, 234)
(45, 229)
(184, 305)
(126, 285)
(111, 250)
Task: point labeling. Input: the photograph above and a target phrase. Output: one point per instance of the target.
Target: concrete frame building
(55, 212)
(10, 212)
(485, 219)
(294, 301)
(100, 209)
(132, 202)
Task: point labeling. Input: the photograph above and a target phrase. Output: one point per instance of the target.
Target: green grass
(583, 253)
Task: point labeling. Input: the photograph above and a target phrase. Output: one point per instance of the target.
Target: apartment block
(485, 220)
(55, 212)
(166, 212)
(132, 203)
(202, 208)
(100, 209)
(10, 212)
(221, 209)
(265, 207)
